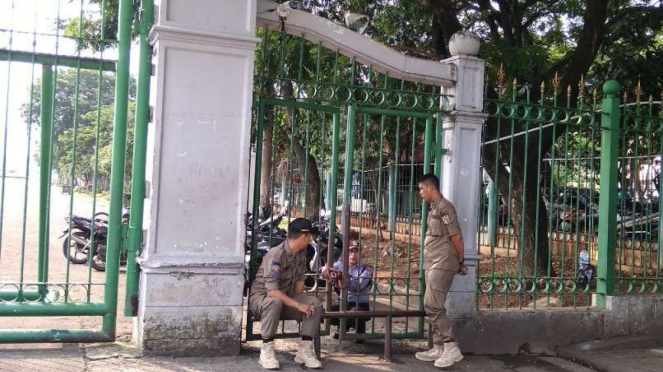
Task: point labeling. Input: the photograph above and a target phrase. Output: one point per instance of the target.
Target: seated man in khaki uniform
(277, 294)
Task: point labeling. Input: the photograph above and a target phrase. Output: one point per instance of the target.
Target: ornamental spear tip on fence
(556, 83)
(651, 99)
(543, 87)
(638, 93)
(581, 87)
(595, 96)
(501, 76)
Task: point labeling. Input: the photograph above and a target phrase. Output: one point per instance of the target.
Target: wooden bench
(389, 315)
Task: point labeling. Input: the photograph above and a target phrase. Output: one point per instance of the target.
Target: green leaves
(93, 111)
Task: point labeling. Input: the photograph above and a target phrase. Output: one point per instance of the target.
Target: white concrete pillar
(197, 178)
(461, 175)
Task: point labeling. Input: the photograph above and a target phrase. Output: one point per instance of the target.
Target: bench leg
(387, 339)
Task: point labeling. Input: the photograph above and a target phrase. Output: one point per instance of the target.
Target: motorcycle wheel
(98, 263)
(74, 251)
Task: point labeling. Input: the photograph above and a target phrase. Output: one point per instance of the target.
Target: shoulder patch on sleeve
(446, 219)
(275, 270)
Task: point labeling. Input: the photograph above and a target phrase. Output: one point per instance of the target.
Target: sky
(31, 25)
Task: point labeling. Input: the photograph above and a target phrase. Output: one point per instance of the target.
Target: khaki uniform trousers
(438, 284)
(270, 311)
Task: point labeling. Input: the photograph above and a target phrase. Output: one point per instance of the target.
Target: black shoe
(335, 336)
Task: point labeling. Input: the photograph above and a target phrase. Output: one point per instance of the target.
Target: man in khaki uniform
(277, 294)
(443, 259)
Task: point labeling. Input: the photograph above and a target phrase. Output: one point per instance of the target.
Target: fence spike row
(556, 83)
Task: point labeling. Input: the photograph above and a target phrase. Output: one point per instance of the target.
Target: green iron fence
(569, 206)
(332, 133)
(638, 164)
(64, 149)
(539, 206)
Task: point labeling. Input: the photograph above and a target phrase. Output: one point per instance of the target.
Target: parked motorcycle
(319, 259)
(269, 235)
(86, 233)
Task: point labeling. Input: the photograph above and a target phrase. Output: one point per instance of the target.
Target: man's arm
(299, 287)
(457, 241)
(365, 278)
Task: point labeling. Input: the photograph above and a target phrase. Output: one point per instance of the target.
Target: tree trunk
(522, 207)
(534, 250)
(266, 177)
(312, 184)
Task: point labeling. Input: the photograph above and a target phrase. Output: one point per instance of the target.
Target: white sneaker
(306, 355)
(450, 355)
(430, 355)
(268, 356)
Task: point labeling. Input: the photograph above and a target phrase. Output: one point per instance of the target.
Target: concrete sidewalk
(342, 358)
(622, 354)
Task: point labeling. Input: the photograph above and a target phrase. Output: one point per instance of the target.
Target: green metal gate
(74, 107)
(307, 99)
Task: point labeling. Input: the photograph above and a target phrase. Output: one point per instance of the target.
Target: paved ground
(628, 354)
(21, 230)
(632, 354)
(119, 357)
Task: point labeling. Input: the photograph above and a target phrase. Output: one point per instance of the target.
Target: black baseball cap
(300, 225)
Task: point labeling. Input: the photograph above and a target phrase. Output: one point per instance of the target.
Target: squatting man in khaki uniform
(443, 258)
(277, 294)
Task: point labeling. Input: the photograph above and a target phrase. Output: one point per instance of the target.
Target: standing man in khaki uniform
(443, 258)
(277, 294)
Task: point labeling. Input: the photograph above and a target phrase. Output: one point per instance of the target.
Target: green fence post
(126, 16)
(347, 206)
(439, 151)
(139, 159)
(492, 213)
(45, 173)
(329, 188)
(392, 199)
(610, 120)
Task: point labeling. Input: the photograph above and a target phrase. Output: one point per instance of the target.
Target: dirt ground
(20, 223)
(400, 260)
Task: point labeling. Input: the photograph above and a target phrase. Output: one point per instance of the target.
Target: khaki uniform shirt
(439, 252)
(280, 269)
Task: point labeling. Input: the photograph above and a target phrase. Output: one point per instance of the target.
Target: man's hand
(326, 272)
(308, 310)
(462, 270)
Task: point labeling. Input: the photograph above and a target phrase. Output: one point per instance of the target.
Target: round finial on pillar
(611, 87)
(464, 43)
